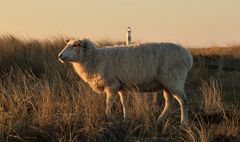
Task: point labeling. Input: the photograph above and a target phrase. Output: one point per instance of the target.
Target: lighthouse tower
(129, 36)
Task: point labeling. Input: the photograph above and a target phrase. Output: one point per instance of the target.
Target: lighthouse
(129, 36)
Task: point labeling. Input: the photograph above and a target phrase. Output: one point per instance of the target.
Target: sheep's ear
(66, 41)
(79, 43)
(83, 43)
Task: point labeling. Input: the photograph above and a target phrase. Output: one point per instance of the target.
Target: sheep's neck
(85, 69)
(81, 71)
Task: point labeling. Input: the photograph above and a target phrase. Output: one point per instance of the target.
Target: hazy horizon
(192, 23)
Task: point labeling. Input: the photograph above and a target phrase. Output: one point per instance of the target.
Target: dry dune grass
(43, 100)
(231, 51)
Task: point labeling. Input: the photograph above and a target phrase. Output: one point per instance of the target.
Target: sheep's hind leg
(109, 102)
(124, 100)
(167, 108)
(182, 100)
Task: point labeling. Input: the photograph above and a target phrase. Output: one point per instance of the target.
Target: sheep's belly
(145, 87)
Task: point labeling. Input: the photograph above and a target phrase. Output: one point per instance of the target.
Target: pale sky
(189, 22)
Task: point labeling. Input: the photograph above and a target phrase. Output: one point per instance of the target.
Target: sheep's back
(145, 62)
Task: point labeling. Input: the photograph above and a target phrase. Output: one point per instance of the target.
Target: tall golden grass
(44, 100)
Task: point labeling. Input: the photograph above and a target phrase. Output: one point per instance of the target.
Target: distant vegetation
(44, 100)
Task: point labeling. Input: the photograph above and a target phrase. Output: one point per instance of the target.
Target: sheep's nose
(60, 56)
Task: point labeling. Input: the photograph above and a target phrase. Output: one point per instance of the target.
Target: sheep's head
(75, 50)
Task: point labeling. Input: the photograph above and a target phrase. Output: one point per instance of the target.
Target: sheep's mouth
(63, 59)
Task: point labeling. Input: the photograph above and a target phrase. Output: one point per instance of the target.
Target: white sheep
(146, 68)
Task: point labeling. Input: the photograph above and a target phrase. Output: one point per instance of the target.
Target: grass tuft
(44, 100)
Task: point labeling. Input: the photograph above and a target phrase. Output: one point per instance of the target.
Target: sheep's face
(73, 51)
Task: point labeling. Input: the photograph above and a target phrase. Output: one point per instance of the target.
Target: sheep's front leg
(109, 102)
(182, 100)
(111, 92)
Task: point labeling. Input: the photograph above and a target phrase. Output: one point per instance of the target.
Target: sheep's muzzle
(61, 58)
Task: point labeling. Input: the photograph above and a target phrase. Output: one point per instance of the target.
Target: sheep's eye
(74, 45)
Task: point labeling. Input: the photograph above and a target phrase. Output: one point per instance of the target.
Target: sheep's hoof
(184, 124)
(126, 119)
(157, 129)
(161, 121)
(107, 118)
(160, 124)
